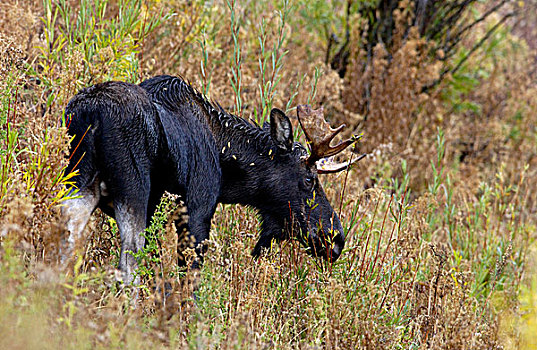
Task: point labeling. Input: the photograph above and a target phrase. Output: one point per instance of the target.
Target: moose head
(296, 189)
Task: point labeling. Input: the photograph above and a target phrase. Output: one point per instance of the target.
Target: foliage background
(440, 216)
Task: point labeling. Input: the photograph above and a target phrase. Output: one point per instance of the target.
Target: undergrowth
(439, 217)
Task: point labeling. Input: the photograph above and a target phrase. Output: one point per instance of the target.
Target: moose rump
(128, 151)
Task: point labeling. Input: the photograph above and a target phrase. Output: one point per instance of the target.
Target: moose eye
(309, 182)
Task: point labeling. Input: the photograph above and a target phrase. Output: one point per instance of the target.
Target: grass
(438, 217)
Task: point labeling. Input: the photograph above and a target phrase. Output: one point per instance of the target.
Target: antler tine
(330, 168)
(319, 135)
(323, 148)
(325, 142)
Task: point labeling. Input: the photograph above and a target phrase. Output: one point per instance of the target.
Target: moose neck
(246, 153)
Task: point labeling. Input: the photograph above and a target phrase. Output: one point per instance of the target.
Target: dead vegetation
(440, 216)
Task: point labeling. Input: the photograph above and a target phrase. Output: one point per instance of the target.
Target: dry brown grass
(425, 266)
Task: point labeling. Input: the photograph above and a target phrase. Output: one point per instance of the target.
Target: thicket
(439, 217)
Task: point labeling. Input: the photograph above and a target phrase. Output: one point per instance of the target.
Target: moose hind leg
(131, 224)
(77, 211)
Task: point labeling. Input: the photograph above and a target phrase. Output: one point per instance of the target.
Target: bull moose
(131, 143)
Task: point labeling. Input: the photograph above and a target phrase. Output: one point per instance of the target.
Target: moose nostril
(339, 244)
(337, 250)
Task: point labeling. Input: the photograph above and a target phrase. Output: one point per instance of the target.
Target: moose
(131, 143)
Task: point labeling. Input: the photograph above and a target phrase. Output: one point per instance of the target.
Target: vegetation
(439, 217)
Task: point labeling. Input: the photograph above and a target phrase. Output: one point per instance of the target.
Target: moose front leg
(199, 226)
(271, 228)
(201, 204)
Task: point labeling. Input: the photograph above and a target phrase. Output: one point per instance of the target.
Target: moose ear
(281, 129)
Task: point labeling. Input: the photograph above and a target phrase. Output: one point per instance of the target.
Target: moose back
(133, 142)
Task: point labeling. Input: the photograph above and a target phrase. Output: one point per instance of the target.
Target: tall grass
(236, 62)
(438, 218)
(270, 76)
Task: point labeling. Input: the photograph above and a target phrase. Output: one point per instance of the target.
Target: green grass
(438, 248)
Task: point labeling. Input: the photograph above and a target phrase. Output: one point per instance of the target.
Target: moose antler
(319, 135)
